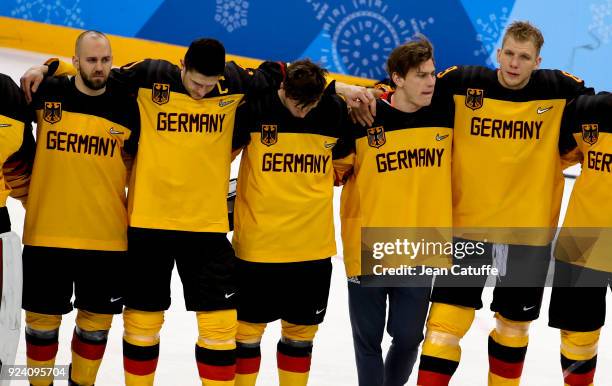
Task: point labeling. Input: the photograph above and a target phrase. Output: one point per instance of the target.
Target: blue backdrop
(350, 36)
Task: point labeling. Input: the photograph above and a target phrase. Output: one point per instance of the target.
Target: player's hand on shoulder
(361, 102)
(31, 79)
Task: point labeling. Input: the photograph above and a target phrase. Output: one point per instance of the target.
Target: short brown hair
(409, 55)
(523, 31)
(304, 82)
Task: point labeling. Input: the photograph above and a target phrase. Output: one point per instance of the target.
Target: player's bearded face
(517, 60)
(418, 84)
(94, 62)
(94, 80)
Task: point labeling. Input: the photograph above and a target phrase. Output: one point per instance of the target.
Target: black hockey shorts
(518, 292)
(49, 275)
(578, 299)
(294, 292)
(205, 263)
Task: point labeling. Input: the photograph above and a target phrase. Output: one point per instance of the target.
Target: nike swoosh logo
(542, 110)
(528, 308)
(113, 131)
(329, 145)
(319, 311)
(227, 296)
(5, 125)
(115, 299)
(441, 137)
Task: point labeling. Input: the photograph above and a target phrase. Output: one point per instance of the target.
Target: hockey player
(16, 152)
(177, 203)
(75, 231)
(284, 232)
(406, 122)
(582, 268)
(506, 173)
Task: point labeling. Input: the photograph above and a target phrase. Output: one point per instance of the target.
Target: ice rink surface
(333, 360)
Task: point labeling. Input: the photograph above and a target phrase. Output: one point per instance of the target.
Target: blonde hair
(523, 31)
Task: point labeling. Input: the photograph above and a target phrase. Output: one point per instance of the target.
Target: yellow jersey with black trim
(589, 128)
(16, 142)
(284, 199)
(77, 195)
(506, 164)
(181, 172)
(401, 174)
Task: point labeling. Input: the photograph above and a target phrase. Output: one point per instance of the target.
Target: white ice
(333, 359)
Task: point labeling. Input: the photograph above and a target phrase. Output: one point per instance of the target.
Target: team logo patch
(474, 98)
(376, 136)
(53, 112)
(223, 103)
(269, 134)
(161, 93)
(590, 133)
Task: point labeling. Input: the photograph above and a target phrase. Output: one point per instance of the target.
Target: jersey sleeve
(572, 86)
(568, 148)
(16, 139)
(57, 67)
(132, 75)
(267, 76)
(343, 154)
(130, 146)
(242, 127)
(448, 82)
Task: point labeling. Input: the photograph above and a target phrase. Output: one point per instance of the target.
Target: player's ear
(397, 79)
(538, 61)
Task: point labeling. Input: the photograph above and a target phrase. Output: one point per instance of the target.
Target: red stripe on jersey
(41, 353)
(505, 369)
(89, 351)
(585, 379)
(216, 373)
(139, 367)
(247, 365)
(430, 378)
(293, 364)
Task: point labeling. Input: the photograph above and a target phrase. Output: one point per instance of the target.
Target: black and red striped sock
(139, 363)
(218, 366)
(578, 372)
(293, 363)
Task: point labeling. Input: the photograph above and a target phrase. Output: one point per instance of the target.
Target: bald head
(87, 36)
(93, 61)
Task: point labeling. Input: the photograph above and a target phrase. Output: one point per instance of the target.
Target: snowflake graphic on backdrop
(489, 31)
(362, 35)
(63, 12)
(601, 25)
(232, 14)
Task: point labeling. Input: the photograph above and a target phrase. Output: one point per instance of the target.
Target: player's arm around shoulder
(34, 76)
(343, 153)
(267, 76)
(242, 127)
(568, 148)
(568, 85)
